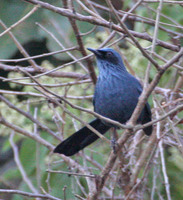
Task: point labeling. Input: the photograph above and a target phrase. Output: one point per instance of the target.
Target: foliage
(36, 157)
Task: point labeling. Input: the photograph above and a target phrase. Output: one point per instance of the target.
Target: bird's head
(108, 57)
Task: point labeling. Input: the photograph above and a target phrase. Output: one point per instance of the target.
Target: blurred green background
(35, 158)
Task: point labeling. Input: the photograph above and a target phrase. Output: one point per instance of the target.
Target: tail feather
(148, 130)
(81, 139)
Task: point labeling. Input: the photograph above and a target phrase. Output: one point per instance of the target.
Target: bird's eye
(109, 54)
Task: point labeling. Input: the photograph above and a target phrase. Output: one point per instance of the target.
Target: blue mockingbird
(116, 96)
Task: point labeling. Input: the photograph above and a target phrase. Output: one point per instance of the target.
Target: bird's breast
(115, 98)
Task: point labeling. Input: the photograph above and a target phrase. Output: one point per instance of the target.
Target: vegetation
(43, 100)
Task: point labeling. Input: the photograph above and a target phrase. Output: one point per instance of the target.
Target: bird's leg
(114, 139)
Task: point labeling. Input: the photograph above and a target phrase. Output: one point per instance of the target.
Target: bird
(116, 96)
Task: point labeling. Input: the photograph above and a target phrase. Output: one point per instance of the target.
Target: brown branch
(157, 1)
(65, 110)
(71, 173)
(81, 45)
(41, 70)
(142, 100)
(150, 145)
(132, 37)
(38, 56)
(20, 166)
(28, 194)
(104, 23)
(147, 168)
(52, 35)
(27, 115)
(142, 19)
(19, 46)
(50, 85)
(39, 95)
(20, 21)
(145, 94)
(180, 107)
(37, 138)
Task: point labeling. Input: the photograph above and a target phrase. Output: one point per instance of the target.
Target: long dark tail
(81, 139)
(148, 130)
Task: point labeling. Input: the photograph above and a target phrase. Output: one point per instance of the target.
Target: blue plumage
(117, 91)
(116, 96)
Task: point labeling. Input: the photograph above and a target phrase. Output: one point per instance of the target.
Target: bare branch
(28, 194)
(96, 21)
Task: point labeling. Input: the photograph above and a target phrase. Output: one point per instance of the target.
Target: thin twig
(20, 21)
(19, 46)
(71, 173)
(20, 167)
(96, 21)
(38, 56)
(163, 164)
(28, 194)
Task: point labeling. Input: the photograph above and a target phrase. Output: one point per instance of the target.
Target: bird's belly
(115, 105)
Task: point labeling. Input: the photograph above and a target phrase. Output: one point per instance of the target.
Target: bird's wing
(148, 109)
(94, 101)
(147, 106)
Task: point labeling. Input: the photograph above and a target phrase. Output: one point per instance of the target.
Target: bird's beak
(95, 51)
